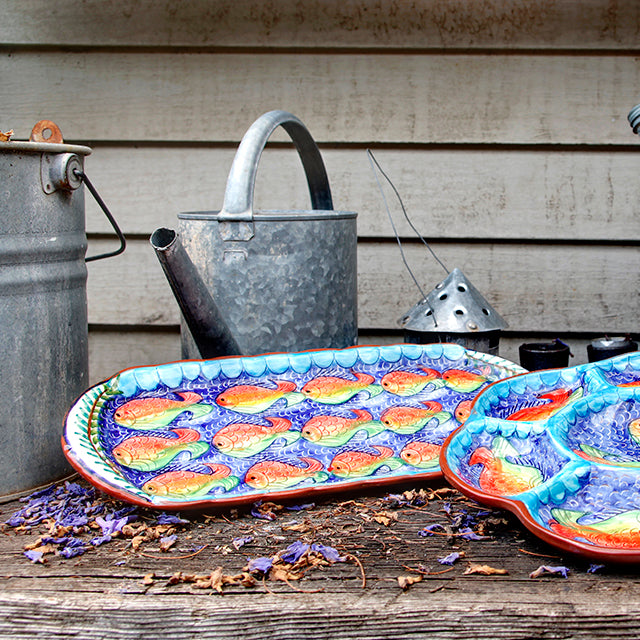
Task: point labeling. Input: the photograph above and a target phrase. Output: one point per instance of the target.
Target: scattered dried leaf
(484, 570)
(385, 517)
(546, 569)
(147, 580)
(167, 542)
(404, 582)
(6, 136)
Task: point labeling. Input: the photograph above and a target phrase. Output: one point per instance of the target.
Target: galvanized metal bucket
(282, 280)
(43, 307)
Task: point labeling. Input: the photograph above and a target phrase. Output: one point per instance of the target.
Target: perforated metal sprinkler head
(454, 311)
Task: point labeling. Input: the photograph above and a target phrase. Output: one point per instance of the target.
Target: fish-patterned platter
(200, 433)
(560, 449)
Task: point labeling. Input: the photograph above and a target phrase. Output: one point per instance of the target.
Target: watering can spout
(208, 328)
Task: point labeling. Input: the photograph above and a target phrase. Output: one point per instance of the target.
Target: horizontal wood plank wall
(502, 125)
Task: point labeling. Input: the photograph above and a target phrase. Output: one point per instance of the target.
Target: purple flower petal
(34, 556)
(329, 553)
(593, 568)
(294, 552)
(429, 529)
(300, 507)
(167, 518)
(450, 559)
(111, 525)
(260, 564)
(468, 534)
(96, 542)
(256, 513)
(238, 543)
(73, 550)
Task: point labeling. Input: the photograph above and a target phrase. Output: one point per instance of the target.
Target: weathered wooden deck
(131, 588)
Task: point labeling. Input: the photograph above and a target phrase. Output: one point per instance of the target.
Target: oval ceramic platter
(560, 449)
(235, 430)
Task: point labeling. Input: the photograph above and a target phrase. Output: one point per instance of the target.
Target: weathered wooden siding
(502, 124)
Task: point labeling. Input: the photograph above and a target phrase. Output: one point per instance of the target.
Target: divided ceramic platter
(234, 430)
(561, 449)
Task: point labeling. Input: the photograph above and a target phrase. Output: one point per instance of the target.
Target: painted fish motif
(190, 484)
(150, 453)
(499, 476)
(335, 390)
(242, 440)
(353, 464)
(463, 381)
(334, 431)
(246, 398)
(633, 383)
(463, 411)
(273, 474)
(153, 413)
(593, 454)
(621, 531)
(424, 455)
(558, 398)
(634, 430)
(408, 383)
(407, 420)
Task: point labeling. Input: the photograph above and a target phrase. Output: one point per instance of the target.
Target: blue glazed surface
(562, 447)
(275, 395)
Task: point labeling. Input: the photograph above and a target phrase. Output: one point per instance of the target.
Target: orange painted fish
(463, 411)
(499, 476)
(633, 383)
(153, 413)
(621, 531)
(352, 464)
(273, 474)
(634, 430)
(190, 484)
(408, 383)
(558, 398)
(424, 455)
(463, 381)
(242, 440)
(246, 398)
(150, 453)
(334, 431)
(407, 420)
(334, 390)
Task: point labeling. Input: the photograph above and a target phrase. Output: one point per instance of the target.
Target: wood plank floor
(120, 590)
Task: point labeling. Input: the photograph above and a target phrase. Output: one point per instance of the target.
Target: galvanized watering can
(250, 282)
(43, 302)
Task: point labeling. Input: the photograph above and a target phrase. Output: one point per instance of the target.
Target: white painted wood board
(358, 98)
(588, 24)
(538, 288)
(448, 193)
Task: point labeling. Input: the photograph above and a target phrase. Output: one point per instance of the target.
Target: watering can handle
(238, 197)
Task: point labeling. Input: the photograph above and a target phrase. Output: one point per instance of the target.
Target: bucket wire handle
(238, 197)
(374, 163)
(81, 175)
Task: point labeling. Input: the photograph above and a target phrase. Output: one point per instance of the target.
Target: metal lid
(46, 137)
(273, 216)
(455, 306)
(19, 146)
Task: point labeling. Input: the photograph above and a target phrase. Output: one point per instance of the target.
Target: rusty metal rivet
(46, 131)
